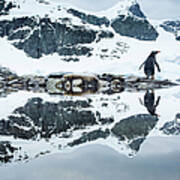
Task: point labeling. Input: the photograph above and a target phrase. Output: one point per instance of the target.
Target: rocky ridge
(43, 35)
(172, 27)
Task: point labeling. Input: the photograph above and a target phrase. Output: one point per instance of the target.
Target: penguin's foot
(152, 78)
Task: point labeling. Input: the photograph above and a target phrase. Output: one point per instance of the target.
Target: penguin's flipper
(141, 102)
(157, 65)
(158, 100)
(141, 65)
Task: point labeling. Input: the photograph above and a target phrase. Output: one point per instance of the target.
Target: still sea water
(129, 135)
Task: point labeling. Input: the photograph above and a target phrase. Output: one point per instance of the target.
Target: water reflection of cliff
(67, 124)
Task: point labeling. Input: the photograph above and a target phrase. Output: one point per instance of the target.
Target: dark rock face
(78, 51)
(45, 119)
(90, 19)
(135, 126)
(135, 10)
(42, 36)
(133, 27)
(173, 27)
(91, 136)
(5, 7)
(6, 74)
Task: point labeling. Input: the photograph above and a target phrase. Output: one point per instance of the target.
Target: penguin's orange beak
(158, 51)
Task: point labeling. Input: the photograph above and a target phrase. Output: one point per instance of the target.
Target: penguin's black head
(153, 53)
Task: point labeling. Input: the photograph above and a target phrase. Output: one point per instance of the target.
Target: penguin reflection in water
(149, 65)
(149, 102)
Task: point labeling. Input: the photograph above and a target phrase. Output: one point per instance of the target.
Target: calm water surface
(142, 149)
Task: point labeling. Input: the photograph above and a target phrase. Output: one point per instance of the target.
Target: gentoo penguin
(149, 64)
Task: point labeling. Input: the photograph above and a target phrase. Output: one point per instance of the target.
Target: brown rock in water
(78, 84)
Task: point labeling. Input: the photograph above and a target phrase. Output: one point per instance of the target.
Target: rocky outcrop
(40, 36)
(5, 7)
(172, 27)
(90, 19)
(134, 27)
(75, 50)
(67, 36)
(136, 11)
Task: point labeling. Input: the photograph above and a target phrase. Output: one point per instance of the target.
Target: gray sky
(160, 9)
(155, 9)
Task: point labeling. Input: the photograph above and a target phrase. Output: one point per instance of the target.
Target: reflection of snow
(126, 60)
(116, 107)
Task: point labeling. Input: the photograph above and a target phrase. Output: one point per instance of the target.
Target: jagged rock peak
(125, 7)
(49, 28)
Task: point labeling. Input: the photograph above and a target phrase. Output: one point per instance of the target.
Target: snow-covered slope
(103, 50)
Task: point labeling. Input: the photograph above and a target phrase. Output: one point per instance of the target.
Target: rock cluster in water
(74, 84)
